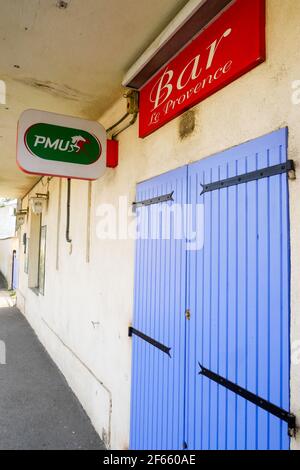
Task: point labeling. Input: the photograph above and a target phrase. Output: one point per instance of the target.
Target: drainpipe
(68, 212)
(133, 120)
(117, 123)
(132, 98)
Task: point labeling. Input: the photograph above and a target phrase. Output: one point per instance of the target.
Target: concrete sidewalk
(37, 408)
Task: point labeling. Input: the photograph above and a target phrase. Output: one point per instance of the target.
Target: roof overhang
(193, 18)
(68, 61)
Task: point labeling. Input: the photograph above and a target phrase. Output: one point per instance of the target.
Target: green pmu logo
(62, 144)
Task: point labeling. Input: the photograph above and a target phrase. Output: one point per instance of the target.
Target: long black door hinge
(153, 200)
(153, 342)
(287, 167)
(289, 418)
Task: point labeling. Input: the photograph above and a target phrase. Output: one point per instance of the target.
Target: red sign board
(230, 47)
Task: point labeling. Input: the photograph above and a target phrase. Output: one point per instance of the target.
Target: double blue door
(212, 283)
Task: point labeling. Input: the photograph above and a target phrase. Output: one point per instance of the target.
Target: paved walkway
(37, 408)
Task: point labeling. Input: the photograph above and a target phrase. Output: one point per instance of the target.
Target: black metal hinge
(289, 418)
(287, 167)
(156, 344)
(154, 200)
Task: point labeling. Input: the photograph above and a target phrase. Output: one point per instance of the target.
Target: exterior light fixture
(20, 218)
(38, 203)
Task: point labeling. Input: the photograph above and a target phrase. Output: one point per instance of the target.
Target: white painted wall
(84, 316)
(7, 246)
(8, 242)
(7, 220)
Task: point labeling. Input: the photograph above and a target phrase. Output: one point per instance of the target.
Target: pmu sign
(56, 145)
(230, 47)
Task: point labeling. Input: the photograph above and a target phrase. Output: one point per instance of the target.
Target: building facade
(79, 296)
(8, 243)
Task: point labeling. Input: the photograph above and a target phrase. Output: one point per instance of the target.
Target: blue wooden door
(238, 294)
(235, 285)
(157, 411)
(15, 271)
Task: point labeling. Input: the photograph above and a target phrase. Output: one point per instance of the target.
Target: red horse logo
(78, 143)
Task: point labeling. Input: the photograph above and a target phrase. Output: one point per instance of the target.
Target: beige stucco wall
(84, 316)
